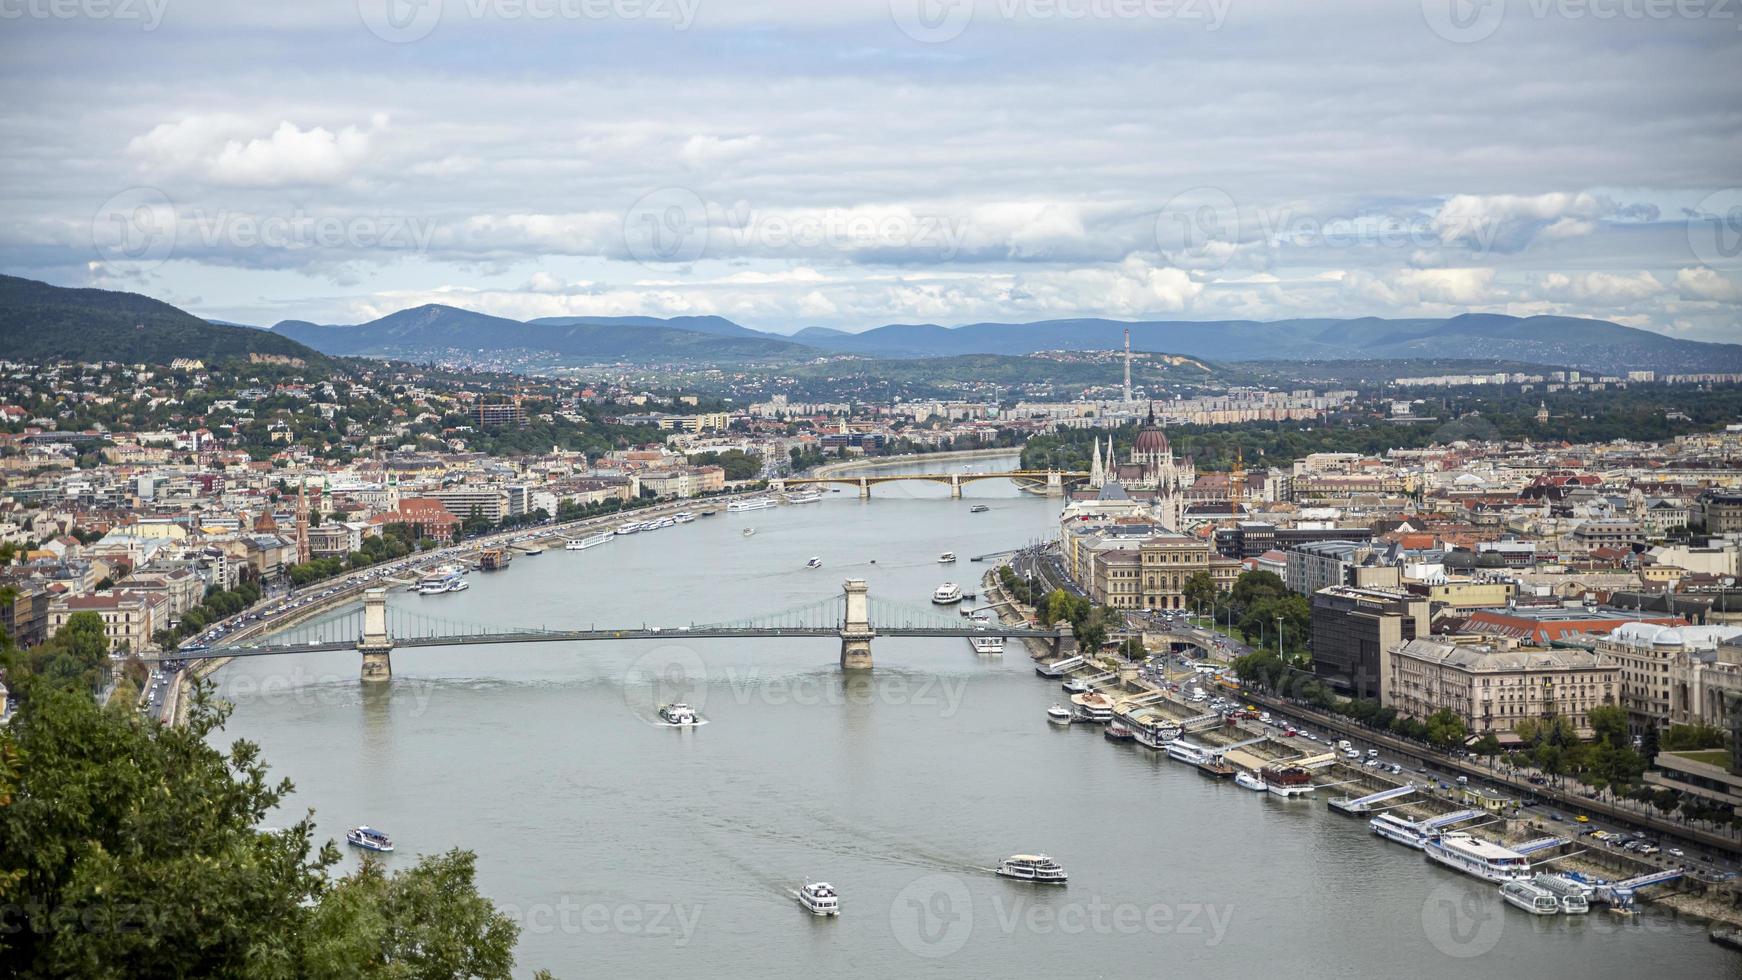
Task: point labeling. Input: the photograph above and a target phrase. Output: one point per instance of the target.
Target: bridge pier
(1064, 644)
(375, 644)
(864, 489)
(856, 632)
(1055, 483)
(955, 486)
(778, 486)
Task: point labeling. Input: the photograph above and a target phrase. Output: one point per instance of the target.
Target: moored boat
(1118, 733)
(987, 644)
(947, 594)
(1097, 708)
(1155, 736)
(1575, 896)
(1463, 851)
(1530, 897)
(1287, 781)
(1250, 780)
(754, 503)
(1180, 750)
(591, 541)
(1031, 867)
(1058, 714)
(1395, 828)
(804, 497)
(1215, 768)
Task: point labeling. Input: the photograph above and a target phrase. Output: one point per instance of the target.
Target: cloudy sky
(850, 163)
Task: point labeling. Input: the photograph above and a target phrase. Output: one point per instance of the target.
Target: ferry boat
(978, 509)
(1215, 768)
(1093, 707)
(1031, 867)
(815, 562)
(683, 517)
(1155, 736)
(1395, 828)
(1287, 781)
(947, 558)
(447, 578)
(804, 497)
(369, 839)
(947, 594)
(679, 714)
(754, 503)
(1180, 750)
(1472, 855)
(1250, 780)
(1530, 897)
(593, 541)
(1575, 896)
(988, 645)
(1058, 714)
(819, 898)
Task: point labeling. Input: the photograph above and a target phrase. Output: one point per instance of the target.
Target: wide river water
(631, 849)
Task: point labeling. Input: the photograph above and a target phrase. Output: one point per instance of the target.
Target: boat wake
(659, 722)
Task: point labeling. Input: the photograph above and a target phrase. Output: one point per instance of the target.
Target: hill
(435, 329)
(42, 323)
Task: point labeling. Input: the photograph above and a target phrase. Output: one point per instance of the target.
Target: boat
(593, 541)
(947, 594)
(1180, 750)
(1463, 851)
(369, 838)
(446, 578)
(1287, 781)
(629, 528)
(1575, 896)
(1530, 897)
(1215, 768)
(679, 714)
(749, 531)
(1058, 714)
(988, 645)
(1031, 867)
(1395, 828)
(754, 503)
(1077, 685)
(1118, 733)
(804, 497)
(819, 898)
(947, 558)
(815, 562)
(1156, 736)
(1093, 707)
(978, 509)
(1250, 780)
(710, 512)
(683, 517)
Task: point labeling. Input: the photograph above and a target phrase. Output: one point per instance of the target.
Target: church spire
(1096, 478)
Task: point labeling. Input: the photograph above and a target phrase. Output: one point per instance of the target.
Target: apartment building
(1492, 688)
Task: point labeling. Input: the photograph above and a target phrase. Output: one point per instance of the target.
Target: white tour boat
(947, 558)
(819, 898)
(947, 594)
(1575, 896)
(1474, 856)
(1531, 897)
(679, 714)
(369, 838)
(754, 503)
(447, 578)
(1058, 714)
(1395, 828)
(629, 528)
(815, 562)
(1250, 780)
(683, 517)
(988, 645)
(593, 541)
(1180, 750)
(1032, 867)
(804, 497)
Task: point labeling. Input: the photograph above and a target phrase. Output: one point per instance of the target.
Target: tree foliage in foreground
(132, 850)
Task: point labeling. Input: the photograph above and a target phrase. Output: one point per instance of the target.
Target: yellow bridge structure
(1050, 482)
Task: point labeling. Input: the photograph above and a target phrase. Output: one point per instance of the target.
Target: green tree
(1199, 590)
(1488, 746)
(1445, 729)
(77, 656)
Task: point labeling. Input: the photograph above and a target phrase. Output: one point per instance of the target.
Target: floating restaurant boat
(1031, 867)
(1395, 828)
(1250, 780)
(819, 898)
(1097, 708)
(988, 645)
(369, 838)
(1155, 736)
(1530, 897)
(1472, 855)
(1287, 781)
(754, 503)
(947, 594)
(1118, 733)
(1058, 714)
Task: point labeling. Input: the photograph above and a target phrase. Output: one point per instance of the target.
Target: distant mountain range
(42, 323)
(1596, 345)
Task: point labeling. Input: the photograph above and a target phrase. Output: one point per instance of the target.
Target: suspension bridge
(1051, 482)
(375, 630)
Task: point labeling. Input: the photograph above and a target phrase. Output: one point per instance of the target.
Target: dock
(1364, 804)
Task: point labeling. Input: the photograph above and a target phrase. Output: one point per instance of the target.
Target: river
(628, 848)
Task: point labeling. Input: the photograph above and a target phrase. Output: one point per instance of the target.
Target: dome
(1150, 440)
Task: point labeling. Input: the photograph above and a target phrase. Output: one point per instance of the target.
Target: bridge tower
(1055, 483)
(777, 485)
(864, 489)
(856, 632)
(955, 486)
(375, 644)
(1064, 644)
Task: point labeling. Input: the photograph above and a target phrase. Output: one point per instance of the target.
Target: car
(1581, 818)
(1396, 769)
(1674, 852)
(1557, 818)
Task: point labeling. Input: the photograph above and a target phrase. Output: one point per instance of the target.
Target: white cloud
(1701, 283)
(702, 151)
(1509, 222)
(215, 147)
(1600, 289)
